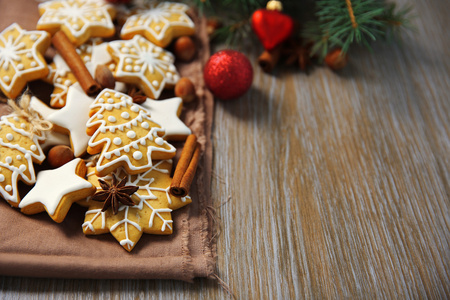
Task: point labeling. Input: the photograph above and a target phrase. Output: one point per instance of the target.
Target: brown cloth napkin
(38, 247)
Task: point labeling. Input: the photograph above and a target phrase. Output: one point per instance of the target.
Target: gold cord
(350, 12)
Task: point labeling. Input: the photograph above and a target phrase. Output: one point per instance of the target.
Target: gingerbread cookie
(150, 214)
(21, 58)
(125, 135)
(57, 189)
(78, 19)
(141, 63)
(18, 150)
(159, 23)
(72, 118)
(166, 113)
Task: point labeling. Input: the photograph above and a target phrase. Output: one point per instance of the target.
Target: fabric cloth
(38, 247)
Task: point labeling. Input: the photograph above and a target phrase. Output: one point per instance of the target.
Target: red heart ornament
(271, 27)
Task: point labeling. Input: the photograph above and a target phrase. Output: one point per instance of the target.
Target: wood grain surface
(338, 182)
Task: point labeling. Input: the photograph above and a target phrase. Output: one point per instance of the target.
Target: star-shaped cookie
(159, 22)
(141, 63)
(21, 58)
(151, 214)
(166, 113)
(79, 19)
(52, 137)
(57, 189)
(72, 118)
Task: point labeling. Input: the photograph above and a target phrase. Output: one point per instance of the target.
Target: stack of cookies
(104, 132)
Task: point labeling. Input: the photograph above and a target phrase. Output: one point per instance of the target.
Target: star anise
(297, 53)
(115, 193)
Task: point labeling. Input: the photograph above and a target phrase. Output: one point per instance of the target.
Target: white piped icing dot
(29, 55)
(128, 60)
(112, 67)
(23, 125)
(9, 137)
(117, 141)
(172, 68)
(134, 108)
(111, 100)
(128, 68)
(100, 116)
(108, 155)
(125, 115)
(16, 119)
(33, 148)
(107, 95)
(22, 168)
(157, 28)
(8, 159)
(2, 177)
(137, 68)
(155, 82)
(33, 37)
(8, 188)
(6, 79)
(20, 67)
(33, 64)
(131, 134)
(67, 82)
(159, 141)
(101, 100)
(137, 155)
(109, 107)
(18, 157)
(117, 95)
(145, 125)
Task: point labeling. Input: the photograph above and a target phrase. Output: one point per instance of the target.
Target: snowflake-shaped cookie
(159, 23)
(21, 58)
(142, 63)
(151, 214)
(79, 19)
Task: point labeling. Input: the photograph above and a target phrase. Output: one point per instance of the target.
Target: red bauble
(271, 27)
(228, 74)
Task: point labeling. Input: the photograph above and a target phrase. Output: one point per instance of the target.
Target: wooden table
(338, 182)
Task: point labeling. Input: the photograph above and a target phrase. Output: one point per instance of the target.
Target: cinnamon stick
(186, 167)
(68, 52)
(268, 59)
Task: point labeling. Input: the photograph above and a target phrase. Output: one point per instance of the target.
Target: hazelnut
(105, 77)
(336, 60)
(59, 155)
(185, 89)
(184, 48)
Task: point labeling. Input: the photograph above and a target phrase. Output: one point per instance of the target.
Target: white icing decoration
(52, 185)
(112, 119)
(2, 177)
(131, 134)
(137, 155)
(159, 141)
(8, 160)
(9, 137)
(125, 115)
(117, 141)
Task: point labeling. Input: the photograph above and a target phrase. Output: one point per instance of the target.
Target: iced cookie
(18, 150)
(72, 118)
(166, 113)
(141, 63)
(125, 135)
(150, 214)
(57, 189)
(159, 23)
(78, 19)
(21, 58)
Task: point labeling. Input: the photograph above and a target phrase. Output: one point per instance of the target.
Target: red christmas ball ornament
(272, 27)
(228, 74)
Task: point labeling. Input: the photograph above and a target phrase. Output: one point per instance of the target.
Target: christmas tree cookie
(125, 135)
(151, 212)
(19, 148)
(78, 19)
(21, 58)
(159, 23)
(141, 63)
